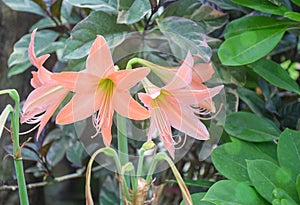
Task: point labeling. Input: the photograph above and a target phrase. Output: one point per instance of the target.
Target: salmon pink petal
(35, 82)
(106, 135)
(99, 60)
(125, 79)
(203, 71)
(193, 97)
(125, 105)
(183, 76)
(183, 119)
(146, 99)
(80, 107)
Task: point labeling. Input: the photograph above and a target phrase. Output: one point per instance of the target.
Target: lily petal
(99, 60)
(125, 105)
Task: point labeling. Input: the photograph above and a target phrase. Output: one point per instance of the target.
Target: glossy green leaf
(249, 46)
(109, 193)
(254, 23)
(250, 127)
(289, 151)
(229, 5)
(292, 15)
(55, 8)
(196, 198)
(263, 6)
(276, 2)
(57, 151)
(230, 159)
(254, 101)
(229, 192)
(25, 6)
(44, 43)
(297, 2)
(85, 32)
(298, 185)
(283, 197)
(187, 7)
(185, 35)
(266, 176)
(74, 153)
(109, 6)
(275, 74)
(137, 11)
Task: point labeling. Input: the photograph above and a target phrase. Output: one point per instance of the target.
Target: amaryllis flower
(101, 88)
(201, 72)
(175, 105)
(47, 95)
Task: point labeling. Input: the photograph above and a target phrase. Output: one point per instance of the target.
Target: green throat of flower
(106, 85)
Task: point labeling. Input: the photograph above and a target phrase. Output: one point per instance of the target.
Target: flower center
(106, 85)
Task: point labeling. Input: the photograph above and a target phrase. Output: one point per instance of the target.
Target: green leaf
(136, 12)
(25, 6)
(276, 2)
(249, 46)
(57, 151)
(56, 8)
(289, 151)
(298, 185)
(266, 176)
(229, 192)
(250, 127)
(185, 35)
(229, 5)
(263, 6)
(253, 23)
(44, 43)
(209, 18)
(109, 6)
(297, 2)
(285, 199)
(196, 199)
(109, 193)
(74, 153)
(230, 159)
(254, 101)
(187, 7)
(292, 15)
(85, 32)
(275, 74)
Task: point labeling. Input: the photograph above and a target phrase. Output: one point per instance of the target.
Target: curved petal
(146, 99)
(35, 81)
(106, 135)
(125, 79)
(80, 107)
(183, 76)
(99, 60)
(125, 105)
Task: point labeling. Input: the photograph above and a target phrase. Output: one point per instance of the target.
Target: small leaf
(267, 176)
(229, 5)
(249, 46)
(254, 101)
(292, 15)
(57, 151)
(109, 6)
(56, 8)
(85, 32)
(297, 2)
(185, 35)
(263, 6)
(289, 151)
(196, 199)
(25, 6)
(136, 12)
(187, 7)
(276, 2)
(229, 192)
(275, 74)
(254, 23)
(230, 159)
(249, 127)
(74, 153)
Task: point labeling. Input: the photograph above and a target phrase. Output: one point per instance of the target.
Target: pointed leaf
(249, 127)
(263, 6)
(254, 23)
(136, 11)
(249, 46)
(74, 153)
(187, 7)
(230, 159)
(266, 176)
(25, 6)
(275, 74)
(229, 192)
(109, 6)
(289, 151)
(85, 32)
(185, 35)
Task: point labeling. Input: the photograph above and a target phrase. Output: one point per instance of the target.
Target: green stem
(140, 163)
(122, 140)
(17, 150)
(139, 61)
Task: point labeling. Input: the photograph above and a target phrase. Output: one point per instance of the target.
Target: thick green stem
(17, 150)
(122, 140)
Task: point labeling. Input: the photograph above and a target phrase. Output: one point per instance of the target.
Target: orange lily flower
(101, 88)
(47, 95)
(174, 105)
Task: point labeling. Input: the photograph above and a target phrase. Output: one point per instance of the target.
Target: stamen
(30, 130)
(179, 141)
(211, 117)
